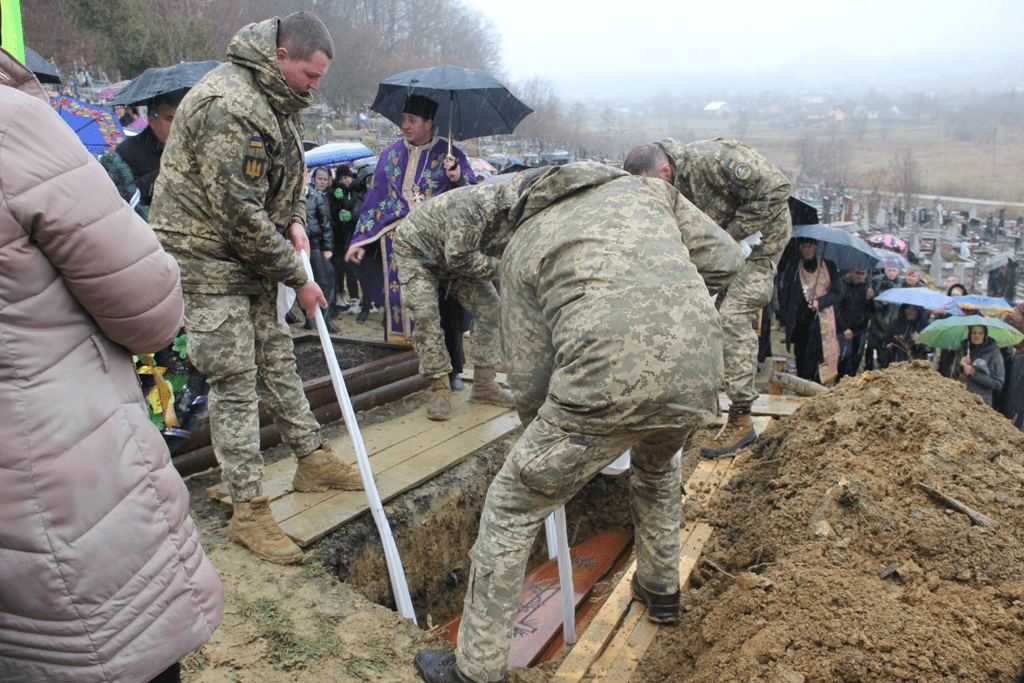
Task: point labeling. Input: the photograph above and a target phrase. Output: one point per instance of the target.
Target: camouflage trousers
(237, 341)
(546, 468)
(419, 293)
(747, 294)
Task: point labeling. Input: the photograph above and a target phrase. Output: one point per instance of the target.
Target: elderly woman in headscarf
(979, 364)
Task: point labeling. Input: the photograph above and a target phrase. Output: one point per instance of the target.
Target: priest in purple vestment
(409, 172)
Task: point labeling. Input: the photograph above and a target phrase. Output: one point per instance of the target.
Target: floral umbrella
(984, 305)
(887, 240)
(112, 90)
(98, 129)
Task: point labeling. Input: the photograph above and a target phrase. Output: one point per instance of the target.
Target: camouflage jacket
(737, 187)
(607, 318)
(231, 179)
(464, 231)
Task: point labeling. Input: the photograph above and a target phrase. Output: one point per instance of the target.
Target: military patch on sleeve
(254, 161)
(743, 171)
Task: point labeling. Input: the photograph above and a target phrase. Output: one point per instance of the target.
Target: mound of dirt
(832, 563)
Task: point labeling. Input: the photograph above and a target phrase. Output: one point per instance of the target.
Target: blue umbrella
(98, 129)
(337, 153)
(920, 296)
(847, 251)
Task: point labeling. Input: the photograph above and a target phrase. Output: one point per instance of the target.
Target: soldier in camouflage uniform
(455, 241)
(229, 195)
(744, 194)
(612, 342)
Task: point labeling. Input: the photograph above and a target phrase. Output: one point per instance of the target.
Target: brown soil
(819, 509)
(350, 352)
(823, 507)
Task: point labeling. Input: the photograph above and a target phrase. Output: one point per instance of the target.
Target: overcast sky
(603, 48)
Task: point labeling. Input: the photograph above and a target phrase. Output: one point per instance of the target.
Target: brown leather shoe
(440, 407)
(253, 525)
(323, 469)
(437, 667)
(486, 389)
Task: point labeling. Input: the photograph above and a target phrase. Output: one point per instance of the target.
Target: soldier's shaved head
(648, 160)
(303, 34)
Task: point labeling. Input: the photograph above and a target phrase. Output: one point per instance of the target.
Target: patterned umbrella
(949, 333)
(887, 240)
(98, 129)
(112, 90)
(482, 166)
(984, 305)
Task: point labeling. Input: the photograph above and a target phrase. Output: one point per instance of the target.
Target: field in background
(947, 166)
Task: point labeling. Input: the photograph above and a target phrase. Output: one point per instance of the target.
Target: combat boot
(323, 469)
(437, 667)
(440, 407)
(253, 525)
(486, 389)
(661, 609)
(738, 432)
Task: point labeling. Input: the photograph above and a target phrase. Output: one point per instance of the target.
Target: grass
(277, 629)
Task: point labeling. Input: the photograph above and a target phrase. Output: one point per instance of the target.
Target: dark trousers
(807, 350)
(849, 363)
(171, 674)
(453, 322)
(323, 275)
(344, 277)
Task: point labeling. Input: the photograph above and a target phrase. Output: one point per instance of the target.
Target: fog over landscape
(602, 48)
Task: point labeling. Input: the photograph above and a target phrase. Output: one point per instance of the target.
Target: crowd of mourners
(869, 334)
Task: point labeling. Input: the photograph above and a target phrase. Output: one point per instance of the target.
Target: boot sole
(662, 616)
(711, 454)
(320, 488)
(287, 560)
(500, 404)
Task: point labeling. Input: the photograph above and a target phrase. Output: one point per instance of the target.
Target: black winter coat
(853, 308)
(318, 222)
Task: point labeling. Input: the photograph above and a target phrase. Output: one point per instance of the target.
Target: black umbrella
(470, 103)
(43, 70)
(835, 244)
(162, 80)
(802, 212)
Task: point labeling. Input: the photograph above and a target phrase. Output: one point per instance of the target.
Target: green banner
(11, 38)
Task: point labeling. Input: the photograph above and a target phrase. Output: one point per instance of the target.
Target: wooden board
(615, 642)
(539, 618)
(768, 404)
(622, 655)
(403, 454)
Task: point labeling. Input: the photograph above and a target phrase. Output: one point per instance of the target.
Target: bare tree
(906, 177)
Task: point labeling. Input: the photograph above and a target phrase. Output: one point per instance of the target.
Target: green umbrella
(949, 333)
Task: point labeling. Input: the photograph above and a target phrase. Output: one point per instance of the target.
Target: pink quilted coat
(101, 574)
